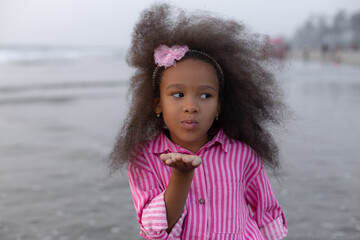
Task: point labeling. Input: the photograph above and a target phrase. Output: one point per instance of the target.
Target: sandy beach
(59, 119)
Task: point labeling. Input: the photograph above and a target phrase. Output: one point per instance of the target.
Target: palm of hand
(180, 161)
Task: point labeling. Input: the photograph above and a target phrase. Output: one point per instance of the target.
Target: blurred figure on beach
(324, 51)
(277, 48)
(334, 42)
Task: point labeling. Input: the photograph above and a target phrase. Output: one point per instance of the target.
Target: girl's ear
(157, 105)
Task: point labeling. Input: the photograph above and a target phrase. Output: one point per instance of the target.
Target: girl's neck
(194, 149)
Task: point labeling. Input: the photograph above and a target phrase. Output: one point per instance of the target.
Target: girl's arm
(176, 194)
(179, 185)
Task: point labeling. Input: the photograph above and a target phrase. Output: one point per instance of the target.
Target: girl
(196, 136)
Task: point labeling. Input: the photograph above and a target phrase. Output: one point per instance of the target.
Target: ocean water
(58, 121)
(60, 112)
(31, 54)
(321, 156)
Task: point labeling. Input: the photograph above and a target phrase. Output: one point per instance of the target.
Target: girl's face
(189, 102)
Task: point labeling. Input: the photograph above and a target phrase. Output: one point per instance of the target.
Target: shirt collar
(161, 143)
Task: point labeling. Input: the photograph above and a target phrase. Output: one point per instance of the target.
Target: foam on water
(28, 54)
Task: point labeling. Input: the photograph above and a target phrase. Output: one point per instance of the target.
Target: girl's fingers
(186, 159)
(181, 161)
(178, 157)
(169, 161)
(197, 161)
(163, 157)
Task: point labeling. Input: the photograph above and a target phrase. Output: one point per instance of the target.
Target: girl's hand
(180, 161)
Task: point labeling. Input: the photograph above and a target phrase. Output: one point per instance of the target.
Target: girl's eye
(178, 95)
(205, 95)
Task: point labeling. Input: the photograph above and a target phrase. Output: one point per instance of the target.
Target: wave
(54, 99)
(43, 53)
(61, 92)
(63, 85)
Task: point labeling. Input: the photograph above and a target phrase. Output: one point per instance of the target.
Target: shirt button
(201, 201)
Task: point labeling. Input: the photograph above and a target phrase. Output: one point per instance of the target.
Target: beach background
(63, 97)
(60, 112)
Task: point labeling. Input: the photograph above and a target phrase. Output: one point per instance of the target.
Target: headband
(167, 57)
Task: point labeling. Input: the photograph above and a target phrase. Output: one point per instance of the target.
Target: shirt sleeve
(266, 209)
(149, 204)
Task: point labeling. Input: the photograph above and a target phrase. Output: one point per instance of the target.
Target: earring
(158, 114)
(217, 117)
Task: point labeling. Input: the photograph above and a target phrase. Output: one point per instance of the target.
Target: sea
(61, 109)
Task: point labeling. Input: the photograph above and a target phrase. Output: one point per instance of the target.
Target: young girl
(196, 136)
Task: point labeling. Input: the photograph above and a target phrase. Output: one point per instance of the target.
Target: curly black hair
(250, 96)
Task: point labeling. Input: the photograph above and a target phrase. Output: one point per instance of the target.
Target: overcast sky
(110, 22)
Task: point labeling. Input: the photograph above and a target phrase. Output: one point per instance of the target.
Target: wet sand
(58, 121)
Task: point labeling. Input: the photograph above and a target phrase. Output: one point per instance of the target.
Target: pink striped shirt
(230, 181)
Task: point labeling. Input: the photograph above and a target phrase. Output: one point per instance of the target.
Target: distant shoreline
(345, 56)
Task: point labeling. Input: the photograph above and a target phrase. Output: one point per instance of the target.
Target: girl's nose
(191, 108)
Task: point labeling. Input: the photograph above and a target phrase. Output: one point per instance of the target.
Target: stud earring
(158, 114)
(217, 117)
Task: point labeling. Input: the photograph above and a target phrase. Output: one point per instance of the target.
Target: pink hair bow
(165, 56)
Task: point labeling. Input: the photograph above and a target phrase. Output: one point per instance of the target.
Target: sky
(110, 22)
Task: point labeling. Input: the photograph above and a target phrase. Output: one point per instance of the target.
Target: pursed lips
(189, 123)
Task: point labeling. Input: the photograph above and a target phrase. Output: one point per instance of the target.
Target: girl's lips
(189, 124)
